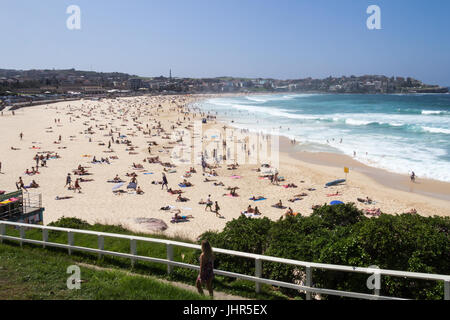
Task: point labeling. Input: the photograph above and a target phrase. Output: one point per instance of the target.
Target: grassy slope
(223, 284)
(29, 274)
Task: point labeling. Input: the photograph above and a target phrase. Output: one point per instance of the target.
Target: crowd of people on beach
(139, 118)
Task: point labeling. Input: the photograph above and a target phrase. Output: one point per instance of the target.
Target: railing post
(308, 281)
(70, 241)
(169, 257)
(101, 245)
(22, 235)
(133, 250)
(447, 290)
(44, 236)
(2, 232)
(258, 274)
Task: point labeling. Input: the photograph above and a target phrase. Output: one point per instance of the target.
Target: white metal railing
(133, 256)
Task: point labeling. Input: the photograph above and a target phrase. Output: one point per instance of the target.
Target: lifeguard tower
(21, 207)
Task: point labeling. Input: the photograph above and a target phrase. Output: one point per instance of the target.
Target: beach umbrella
(333, 203)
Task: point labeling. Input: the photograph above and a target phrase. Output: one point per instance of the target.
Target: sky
(283, 39)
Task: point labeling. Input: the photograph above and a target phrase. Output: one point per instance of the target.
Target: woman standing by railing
(206, 274)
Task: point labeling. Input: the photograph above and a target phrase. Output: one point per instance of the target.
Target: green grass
(29, 274)
(224, 284)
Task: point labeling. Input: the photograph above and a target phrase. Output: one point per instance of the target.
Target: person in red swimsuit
(206, 274)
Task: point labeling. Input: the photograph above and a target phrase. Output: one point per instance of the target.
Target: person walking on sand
(413, 177)
(21, 136)
(216, 209)
(68, 180)
(206, 274)
(164, 182)
(209, 203)
(77, 186)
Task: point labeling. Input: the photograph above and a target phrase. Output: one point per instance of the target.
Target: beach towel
(117, 186)
(230, 195)
(147, 173)
(250, 215)
(179, 220)
(262, 199)
(336, 202)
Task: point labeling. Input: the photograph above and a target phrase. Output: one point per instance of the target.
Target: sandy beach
(87, 127)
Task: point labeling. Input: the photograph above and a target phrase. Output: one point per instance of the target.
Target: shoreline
(396, 181)
(435, 189)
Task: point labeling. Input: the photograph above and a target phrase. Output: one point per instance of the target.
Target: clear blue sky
(282, 39)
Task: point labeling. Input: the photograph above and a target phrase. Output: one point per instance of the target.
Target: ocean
(399, 133)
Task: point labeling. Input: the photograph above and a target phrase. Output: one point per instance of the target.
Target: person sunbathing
(233, 192)
(220, 184)
(132, 174)
(301, 195)
(27, 172)
(117, 179)
(177, 217)
(291, 185)
(202, 201)
(62, 198)
(174, 191)
(250, 209)
(295, 199)
(256, 198)
(181, 199)
(257, 212)
(187, 183)
(138, 166)
(192, 170)
(139, 190)
(34, 185)
(278, 205)
(289, 212)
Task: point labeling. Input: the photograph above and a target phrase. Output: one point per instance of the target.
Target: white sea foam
(431, 112)
(398, 141)
(436, 130)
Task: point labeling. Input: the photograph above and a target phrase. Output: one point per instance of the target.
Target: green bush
(242, 234)
(342, 235)
(71, 223)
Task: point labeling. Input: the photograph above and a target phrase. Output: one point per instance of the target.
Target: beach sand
(130, 116)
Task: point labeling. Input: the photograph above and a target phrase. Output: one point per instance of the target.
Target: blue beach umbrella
(333, 203)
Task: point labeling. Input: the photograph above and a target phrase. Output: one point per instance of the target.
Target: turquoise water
(399, 133)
